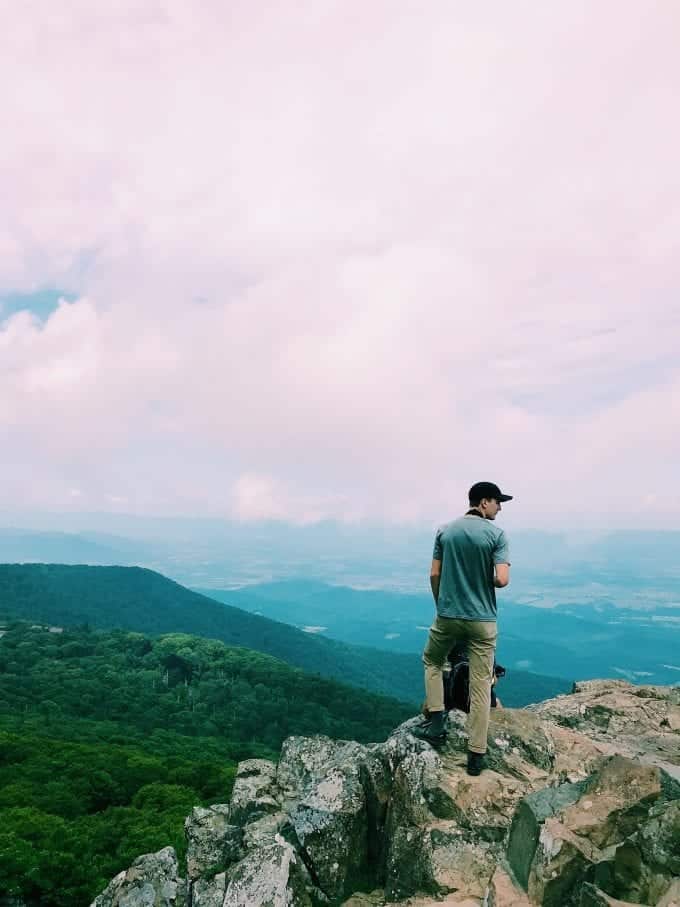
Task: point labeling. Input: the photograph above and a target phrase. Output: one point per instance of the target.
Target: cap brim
(505, 497)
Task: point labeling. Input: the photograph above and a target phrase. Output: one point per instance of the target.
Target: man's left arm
(501, 562)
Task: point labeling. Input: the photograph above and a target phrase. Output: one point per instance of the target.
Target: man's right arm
(435, 578)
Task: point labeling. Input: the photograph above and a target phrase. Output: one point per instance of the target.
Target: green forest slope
(108, 739)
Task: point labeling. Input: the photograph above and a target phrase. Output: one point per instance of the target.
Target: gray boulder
(336, 794)
(563, 836)
(306, 760)
(408, 864)
(273, 876)
(633, 721)
(646, 866)
(658, 838)
(255, 791)
(212, 842)
(208, 892)
(418, 784)
(528, 822)
(152, 881)
(331, 825)
(264, 831)
(459, 861)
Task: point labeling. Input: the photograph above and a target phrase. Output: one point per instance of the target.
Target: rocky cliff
(580, 806)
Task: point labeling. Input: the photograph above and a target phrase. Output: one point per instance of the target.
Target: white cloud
(261, 497)
(341, 266)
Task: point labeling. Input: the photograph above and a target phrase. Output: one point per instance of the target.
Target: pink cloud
(427, 248)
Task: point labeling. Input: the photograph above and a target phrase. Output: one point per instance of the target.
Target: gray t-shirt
(468, 549)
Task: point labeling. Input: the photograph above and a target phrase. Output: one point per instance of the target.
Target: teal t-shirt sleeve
(438, 553)
(501, 551)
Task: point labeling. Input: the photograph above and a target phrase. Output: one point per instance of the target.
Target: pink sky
(342, 259)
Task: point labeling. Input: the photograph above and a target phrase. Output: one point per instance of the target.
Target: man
(469, 562)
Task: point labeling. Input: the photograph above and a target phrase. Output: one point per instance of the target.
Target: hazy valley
(592, 638)
(579, 604)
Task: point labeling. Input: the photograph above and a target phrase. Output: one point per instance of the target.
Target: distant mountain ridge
(202, 552)
(576, 636)
(30, 546)
(134, 598)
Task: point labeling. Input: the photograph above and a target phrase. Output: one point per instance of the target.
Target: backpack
(457, 687)
(457, 682)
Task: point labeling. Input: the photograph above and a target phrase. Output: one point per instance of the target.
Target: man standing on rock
(470, 561)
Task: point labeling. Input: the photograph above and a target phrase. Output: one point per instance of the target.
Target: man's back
(468, 549)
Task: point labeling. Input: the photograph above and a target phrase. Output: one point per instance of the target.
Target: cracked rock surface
(579, 807)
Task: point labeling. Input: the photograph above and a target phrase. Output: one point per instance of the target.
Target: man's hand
(502, 577)
(435, 578)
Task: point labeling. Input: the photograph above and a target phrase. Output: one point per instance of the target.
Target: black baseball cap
(487, 490)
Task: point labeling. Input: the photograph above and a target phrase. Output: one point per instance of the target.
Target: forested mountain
(142, 600)
(108, 739)
(194, 686)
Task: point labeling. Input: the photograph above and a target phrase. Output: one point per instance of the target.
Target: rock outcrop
(153, 879)
(579, 807)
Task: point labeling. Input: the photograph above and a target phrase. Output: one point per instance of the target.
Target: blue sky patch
(41, 303)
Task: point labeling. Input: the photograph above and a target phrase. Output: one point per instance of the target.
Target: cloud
(261, 497)
(327, 266)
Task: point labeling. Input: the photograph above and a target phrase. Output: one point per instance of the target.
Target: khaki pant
(481, 639)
